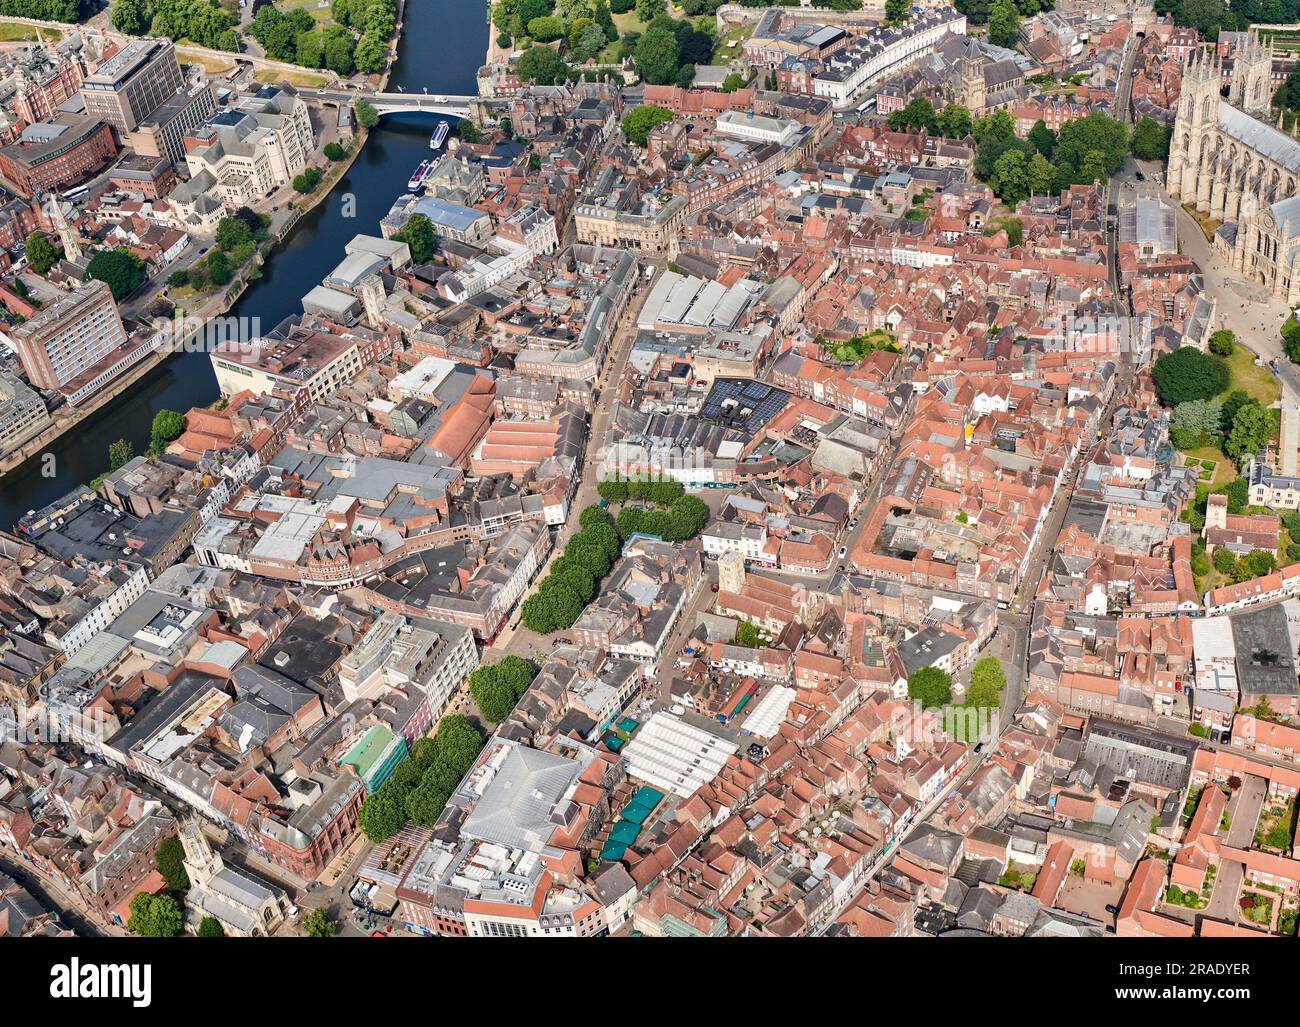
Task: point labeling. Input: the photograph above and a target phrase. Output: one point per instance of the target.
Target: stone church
(1227, 161)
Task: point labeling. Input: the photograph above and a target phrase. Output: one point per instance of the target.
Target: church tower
(71, 244)
(1198, 113)
(201, 862)
(1252, 77)
(973, 93)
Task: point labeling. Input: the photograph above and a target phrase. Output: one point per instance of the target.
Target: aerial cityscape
(649, 468)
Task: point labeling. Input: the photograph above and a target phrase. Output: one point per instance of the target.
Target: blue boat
(439, 136)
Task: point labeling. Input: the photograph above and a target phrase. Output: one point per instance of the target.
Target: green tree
(1187, 373)
(170, 862)
(1259, 562)
(517, 673)
(120, 453)
(656, 55)
(546, 30)
(898, 11)
(333, 151)
(307, 180)
(233, 233)
(131, 17)
(419, 235)
(41, 253)
(747, 635)
(954, 121)
(1093, 168)
(1196, 423)
(1043, 138)
(1010, 178)
(987, 680)
(1150, 140)
(367, 116)
(918, 114)
(930, 686)
(210, 927)
(1252, 426)
(219, 267)
(1083, 138)
(121, 270)
(1222, 342)
(541, 65)
(1291, 339)
(382, 813)
(732, 82)
(318, 924)
(167, 427)
(1224, 560)
(155, 916)
(1041, 175)
(492, 696)
(1004, 23)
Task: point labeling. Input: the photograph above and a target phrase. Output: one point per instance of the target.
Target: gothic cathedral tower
(1198, 112)
(1252, 77)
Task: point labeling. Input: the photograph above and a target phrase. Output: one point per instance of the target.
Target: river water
(441, 49)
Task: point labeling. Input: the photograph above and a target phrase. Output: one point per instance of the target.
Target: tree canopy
(497, 687)
(318, 924)
(155, 916)
(930, 686)
(170, 861)
(1187, 373)
(120, 269)
(640, 120)
(210, 927)
(41, 253)
(542, 65)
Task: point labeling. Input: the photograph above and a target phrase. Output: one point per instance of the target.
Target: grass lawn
(1224, 469)
(302, 79)
(728, 45)
(1259, 382)
(616, 50)
(212, 65)
(628, 22)
(318, 10)
(12, 31)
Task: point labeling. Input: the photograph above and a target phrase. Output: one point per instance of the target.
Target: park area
(1225, 409)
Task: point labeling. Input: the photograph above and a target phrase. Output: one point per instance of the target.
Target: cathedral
(1228, 162)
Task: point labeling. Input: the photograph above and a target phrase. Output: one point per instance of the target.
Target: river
(441, 49)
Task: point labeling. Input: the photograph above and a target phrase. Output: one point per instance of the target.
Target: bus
(866, 105)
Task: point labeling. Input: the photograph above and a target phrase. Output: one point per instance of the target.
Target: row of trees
(238, 237)
(954, 121)
(659, 490)
(980, 12)
(199, 21)
(1213, 16)
(497, 687)
(684, 518)
(357, 40)
(1087, 150)
(575, 574)
(423, 782)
